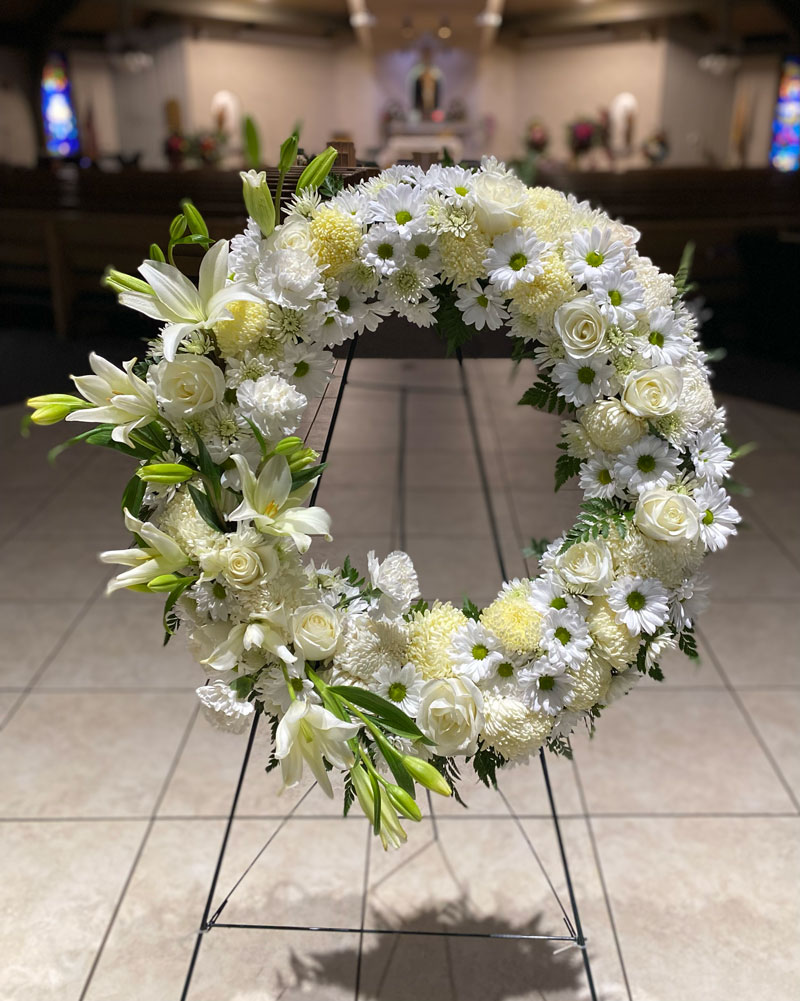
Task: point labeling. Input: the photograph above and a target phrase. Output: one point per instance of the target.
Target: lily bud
(404, 803)
(196, 222)
(288, 152)
(319, 168)
(118, 281)
(258, 199)
(177, 227)
(427, 775)
(157, 254)
(288, 445)
(165, 472)
(54, 407)
(391, 832)
(299, 460)
(364, 794)
(164, 582)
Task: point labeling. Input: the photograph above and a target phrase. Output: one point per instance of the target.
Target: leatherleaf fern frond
(596, 519)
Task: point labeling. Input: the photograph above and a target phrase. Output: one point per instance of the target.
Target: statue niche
(426, 86)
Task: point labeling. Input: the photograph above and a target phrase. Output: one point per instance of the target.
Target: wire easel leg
(213, 888)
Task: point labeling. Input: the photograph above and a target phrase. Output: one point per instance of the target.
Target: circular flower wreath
(353, 670)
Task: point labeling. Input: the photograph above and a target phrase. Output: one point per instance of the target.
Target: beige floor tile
(353, 467)
(455, 567)
(777, 716)
(524, 788)
(454, 467)
(770, 468)
(358, 510)
(406, 371)
(31, 631)
(240, 965)
(311, 873)
(704, 907)
(464, 882)
(119, 644)
(544, 514)
(757, 642)
(751, 567)
(89, 754)
(677, 751)
(31, 571)
(148, 951)
(60, 882)
(680, 672)
(773, 511)
(79, 510)
(446, 511)
(7, 702)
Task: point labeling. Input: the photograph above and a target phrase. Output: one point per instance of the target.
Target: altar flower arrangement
(355, 672)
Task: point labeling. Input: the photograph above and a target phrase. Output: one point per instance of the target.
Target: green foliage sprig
(544, 395)
(596, 519)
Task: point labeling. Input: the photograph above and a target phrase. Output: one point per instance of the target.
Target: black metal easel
(572, 923)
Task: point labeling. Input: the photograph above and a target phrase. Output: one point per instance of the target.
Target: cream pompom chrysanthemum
(514, 620)
(638, 555)
(610, 426)
(246, 327)
(462, 256)
(592, 681)
(659, 287)
(512, 729)
(542, 295)
(611, 638)
(335, 239)
(429, 636)
(369, 644)
(695, 411)
(548, 212)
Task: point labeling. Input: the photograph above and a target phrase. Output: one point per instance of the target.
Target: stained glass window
(58, 113)
(785, 152)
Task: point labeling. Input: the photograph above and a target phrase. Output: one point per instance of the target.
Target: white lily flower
(269, 502)
(307, 734)
(269, 632)
(184, 307)
(162, 555)
(119, 398)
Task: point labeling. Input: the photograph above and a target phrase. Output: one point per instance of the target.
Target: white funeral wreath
(353, 671)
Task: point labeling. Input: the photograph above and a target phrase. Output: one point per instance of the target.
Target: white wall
(557, 84)
(696, 110)
(755, 93)
(18, 137)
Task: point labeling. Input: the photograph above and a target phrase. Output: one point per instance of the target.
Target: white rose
(581, 326)
(245, 567)
(187, 386)
(669, 517)
(498, 201)
(653, 393)
(315, 630)
(451, 714)
(292, 235)
(586, 567)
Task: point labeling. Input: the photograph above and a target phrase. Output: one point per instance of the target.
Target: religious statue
(426, 86)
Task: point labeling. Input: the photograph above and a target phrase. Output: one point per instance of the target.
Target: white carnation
(272, 404)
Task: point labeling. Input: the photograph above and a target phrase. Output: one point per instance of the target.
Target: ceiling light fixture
(363, 19)
(445, 31)
(489, 19)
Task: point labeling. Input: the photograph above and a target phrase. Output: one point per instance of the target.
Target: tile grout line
(751, 724)
(140, 851)
(364, 895)
(599, 868)
(50, 657)
(401, 468)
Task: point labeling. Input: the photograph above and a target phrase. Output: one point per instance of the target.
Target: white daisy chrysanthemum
(598, 477)
(546, 686)
(273, 688)
(661, 642)
(718, 517)
(407, 285)
(666, 341)
(422, 250)
(421, 313)
(481, 307)
(711, 457)
(639, 603)
(307, 367)
(565, 637)
(514, 257)
(622, 683)
(619, 296)
(688, 600)
(547, 592)
(401, 209)
(566, 722)
(586, 380)
(381, 249)
(649, 462)
(211, 600)
(593, 252)
(400, 685)
(475, 652)
(522, 324)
